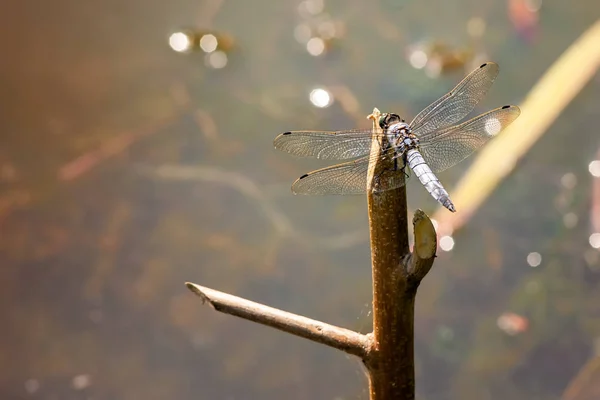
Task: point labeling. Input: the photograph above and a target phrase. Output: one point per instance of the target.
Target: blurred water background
(136, 154)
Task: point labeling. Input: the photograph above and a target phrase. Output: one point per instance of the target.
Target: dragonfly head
(388, 119)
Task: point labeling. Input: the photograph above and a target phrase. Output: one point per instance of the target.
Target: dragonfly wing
(456, 104)
(444, 148)
(339, 145)
(349, 178)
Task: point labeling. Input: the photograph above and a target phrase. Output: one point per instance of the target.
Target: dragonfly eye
(382, 120)
(388, 119)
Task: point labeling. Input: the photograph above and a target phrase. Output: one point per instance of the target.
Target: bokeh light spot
(595, 240)
(534, 259)
(315, 46)
(217, 59)
(32, 386)
(81, 382)
(208, 43)
(327, 30)
(418, 59)
(569, 180)
(302, 33)
(320, 98)
(594, 168)
(180, 42)
(446, 243)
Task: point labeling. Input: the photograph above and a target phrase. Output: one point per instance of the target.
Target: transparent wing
(456, 104)
(444, 148)
(350, 178)
(339, 145)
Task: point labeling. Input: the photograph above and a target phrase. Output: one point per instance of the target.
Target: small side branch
(423, 253)
(339, 338)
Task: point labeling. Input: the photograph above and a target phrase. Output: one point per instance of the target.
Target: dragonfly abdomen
(417, 164)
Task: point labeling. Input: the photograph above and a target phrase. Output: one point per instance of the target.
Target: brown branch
(391, 364)
(396, 277)
(339, 338)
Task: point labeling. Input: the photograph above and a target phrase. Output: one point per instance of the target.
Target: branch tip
(199, 291)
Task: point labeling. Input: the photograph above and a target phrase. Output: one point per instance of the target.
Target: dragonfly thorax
(400, 136)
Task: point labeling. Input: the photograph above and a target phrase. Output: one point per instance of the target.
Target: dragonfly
(433, 142)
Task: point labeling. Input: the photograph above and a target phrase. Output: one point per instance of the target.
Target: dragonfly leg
(403, 168)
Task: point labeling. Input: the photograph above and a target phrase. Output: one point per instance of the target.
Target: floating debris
(437, 57)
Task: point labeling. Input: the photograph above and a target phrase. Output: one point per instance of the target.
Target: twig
(339, 338)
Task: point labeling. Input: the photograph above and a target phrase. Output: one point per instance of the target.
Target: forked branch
(388, 352)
